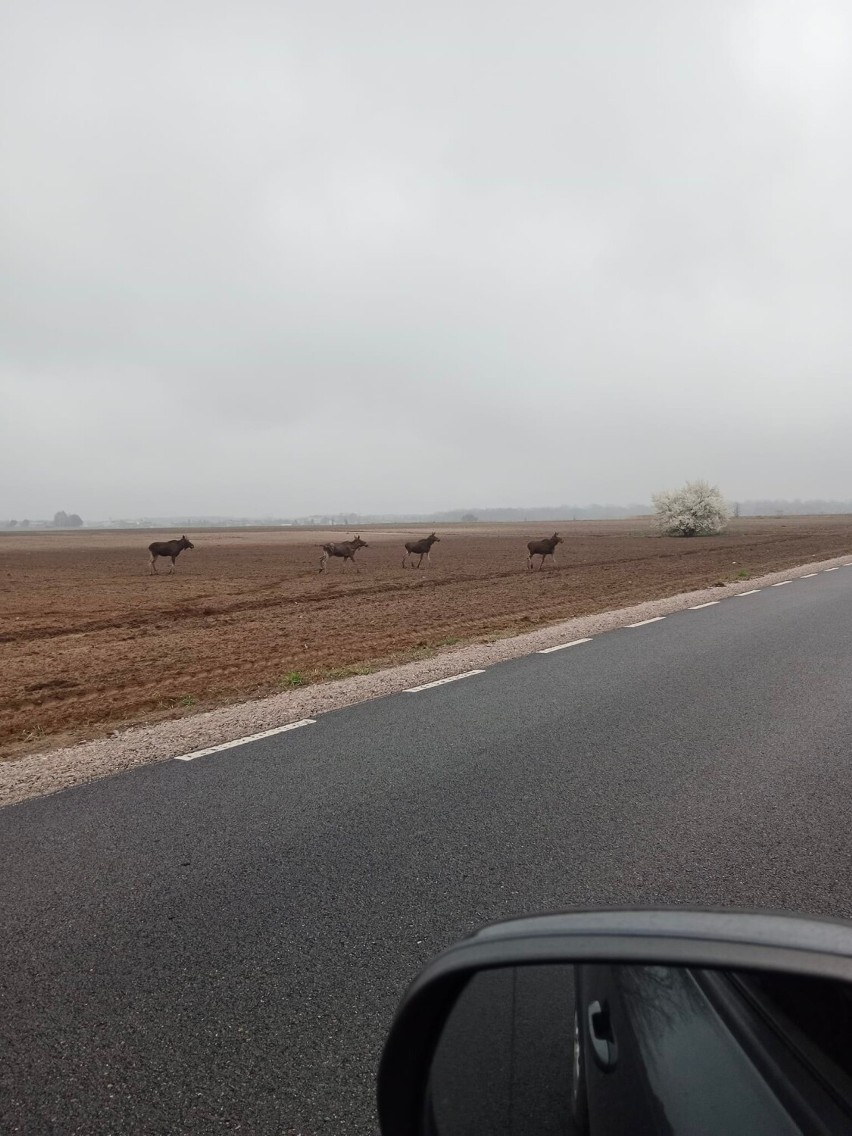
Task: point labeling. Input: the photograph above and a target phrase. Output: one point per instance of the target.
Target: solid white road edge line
(781, 583)
(244, 741)
(698, 607)
(753, 592)
(562, 646)
(442, 681)
(642, 622)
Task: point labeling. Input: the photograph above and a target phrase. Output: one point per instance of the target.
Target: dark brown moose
(420, 548)
(347, 550)
(543, 548)
(170, 548)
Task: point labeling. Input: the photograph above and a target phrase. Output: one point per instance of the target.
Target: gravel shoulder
(54, 770)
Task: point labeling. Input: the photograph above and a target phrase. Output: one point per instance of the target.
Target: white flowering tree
(698, 509)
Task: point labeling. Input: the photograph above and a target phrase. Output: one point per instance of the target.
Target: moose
(543, 548)
(346, 549)
(420, 548)
(170, 548)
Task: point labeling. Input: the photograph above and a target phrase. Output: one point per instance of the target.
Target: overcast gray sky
(288, 257)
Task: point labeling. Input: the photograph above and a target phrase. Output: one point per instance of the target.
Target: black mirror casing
(718, 939)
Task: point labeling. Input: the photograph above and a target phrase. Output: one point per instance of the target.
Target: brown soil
(90, 641)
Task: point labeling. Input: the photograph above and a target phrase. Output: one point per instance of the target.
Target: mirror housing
(721, 939)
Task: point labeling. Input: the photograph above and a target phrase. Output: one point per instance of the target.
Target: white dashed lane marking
(562, 646)
(245, 741)
(442, 681)
(469, 674)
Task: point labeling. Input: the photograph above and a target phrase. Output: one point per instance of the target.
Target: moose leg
(323, 561)
(404, 560)
(173, 559)
(529, 561)
(153, 571)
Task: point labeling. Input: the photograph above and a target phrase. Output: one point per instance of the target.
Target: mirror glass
(618, 1050)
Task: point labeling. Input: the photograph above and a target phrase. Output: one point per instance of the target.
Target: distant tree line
(63, 520)
(787, 508)
(741, 508)
(469, 516)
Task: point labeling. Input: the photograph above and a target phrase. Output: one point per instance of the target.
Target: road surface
(218, 945)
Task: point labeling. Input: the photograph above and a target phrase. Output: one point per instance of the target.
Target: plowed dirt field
(89, 641)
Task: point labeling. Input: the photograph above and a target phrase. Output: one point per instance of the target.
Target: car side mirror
(625, 1022)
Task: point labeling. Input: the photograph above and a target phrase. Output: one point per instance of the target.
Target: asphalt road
(218, 946)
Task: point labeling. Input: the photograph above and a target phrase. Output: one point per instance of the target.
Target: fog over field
(282, 259)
